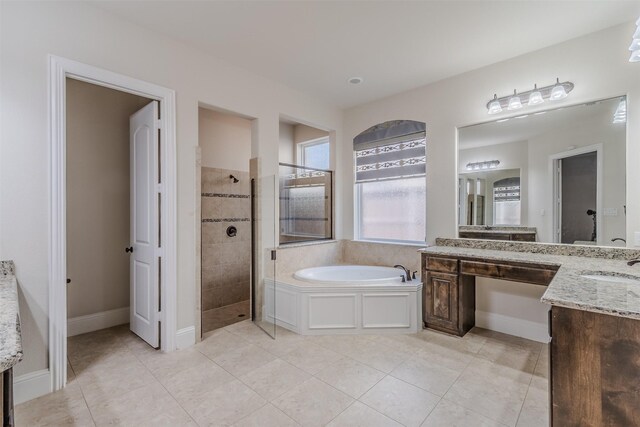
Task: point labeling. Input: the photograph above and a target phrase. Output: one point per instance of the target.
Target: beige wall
(98, 197)
(287, 146)
(225, 140)
(303, 133)
(82, 32)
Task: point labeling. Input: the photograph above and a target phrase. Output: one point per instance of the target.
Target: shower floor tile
(224, 316)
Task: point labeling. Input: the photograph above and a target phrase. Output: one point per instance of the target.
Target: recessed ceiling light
(355, 80)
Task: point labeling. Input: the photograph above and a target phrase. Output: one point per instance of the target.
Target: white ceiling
(525, 128)
(315, 46)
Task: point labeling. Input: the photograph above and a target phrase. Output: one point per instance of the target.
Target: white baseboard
(95, 322)
(31, 385)
(185, 337)
(513, 326)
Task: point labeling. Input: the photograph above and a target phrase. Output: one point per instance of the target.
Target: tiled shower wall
(226, 261)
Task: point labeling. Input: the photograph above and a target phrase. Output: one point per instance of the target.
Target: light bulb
(635, 56)
(558, 92)
(514, 102)
(494, 106)
(635, 45)
(536, 97)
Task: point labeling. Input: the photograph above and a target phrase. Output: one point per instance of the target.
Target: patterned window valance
(387, 132)
(390, 150)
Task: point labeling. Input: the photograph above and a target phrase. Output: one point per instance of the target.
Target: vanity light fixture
(514, 102)
(535, 96)
(558, 92)
(635, 44)
(494, 106)
(491, 164)
(620, 115)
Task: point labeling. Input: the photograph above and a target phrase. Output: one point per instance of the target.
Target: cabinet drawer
(534, 275)
(523, 237)
(447, 265)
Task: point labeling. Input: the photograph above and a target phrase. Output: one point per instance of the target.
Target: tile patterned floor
(239, 376)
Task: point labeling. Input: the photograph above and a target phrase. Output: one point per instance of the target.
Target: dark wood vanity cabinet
(448, 298)
(594, 369)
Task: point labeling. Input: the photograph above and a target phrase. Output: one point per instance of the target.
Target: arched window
(390, 165)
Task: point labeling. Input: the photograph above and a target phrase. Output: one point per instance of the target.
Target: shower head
(234, 179)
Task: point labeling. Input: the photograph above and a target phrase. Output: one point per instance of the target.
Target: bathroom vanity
(594, 322)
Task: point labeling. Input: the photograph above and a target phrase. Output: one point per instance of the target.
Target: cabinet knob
(129, 249)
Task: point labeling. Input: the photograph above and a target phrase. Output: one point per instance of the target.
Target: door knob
(129, 249)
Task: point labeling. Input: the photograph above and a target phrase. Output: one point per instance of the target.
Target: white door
(145, 233)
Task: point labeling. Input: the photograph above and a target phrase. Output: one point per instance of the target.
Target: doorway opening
(226, 237)
(152, 233)
(577, 177)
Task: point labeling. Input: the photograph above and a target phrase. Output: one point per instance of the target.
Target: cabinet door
(441, 301)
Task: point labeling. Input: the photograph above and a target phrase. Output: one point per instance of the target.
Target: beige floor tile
(360, 415)
(66, 407)
(162, 364)
(542, 366)
(342, 344)
(248, 331)
(101, 384)
(409, 343)
(110, 359)
(267, 416)
(427, 375)
(350, 377)
(403, 402)
(378, 356)
(274, 379)
(448, 414)
(195, 381)
(311, 358)
(244, 359)
(471, 342)
(513, 356)
(535, 410)
(220, 342)
(150, 406)
(499, 337)
(225, 405)
(440, 355)
(284, 343)
(313, 403)
(491, 390)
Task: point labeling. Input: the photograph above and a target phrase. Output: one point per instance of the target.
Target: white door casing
(59, 70)
(145, 236)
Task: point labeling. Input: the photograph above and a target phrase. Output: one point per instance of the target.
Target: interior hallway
(240, 376)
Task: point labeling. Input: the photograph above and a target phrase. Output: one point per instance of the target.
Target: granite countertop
(10, 337)
(568, 288)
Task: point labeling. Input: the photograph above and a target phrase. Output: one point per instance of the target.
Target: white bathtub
(350, 274)
(345, 299)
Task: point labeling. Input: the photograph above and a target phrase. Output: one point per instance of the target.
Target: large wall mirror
(556, 176)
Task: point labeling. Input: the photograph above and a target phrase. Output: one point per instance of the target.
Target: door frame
(555, 182)
(59, 69)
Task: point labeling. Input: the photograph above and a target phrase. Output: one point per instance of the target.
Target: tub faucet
(407, 273)
(633, 262)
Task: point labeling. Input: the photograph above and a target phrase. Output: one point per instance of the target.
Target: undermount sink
(613, 278)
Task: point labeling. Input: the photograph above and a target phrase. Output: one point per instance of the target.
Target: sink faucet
(633, 262)
(615, 239)
(407, 273)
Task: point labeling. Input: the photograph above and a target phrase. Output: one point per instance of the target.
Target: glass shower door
(264, 196)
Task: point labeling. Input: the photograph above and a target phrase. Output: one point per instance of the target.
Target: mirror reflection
(556, 176)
